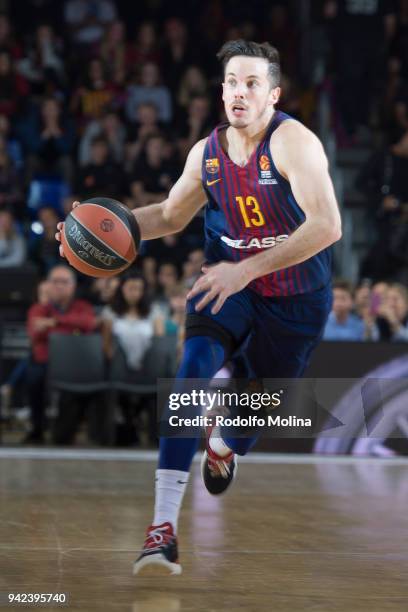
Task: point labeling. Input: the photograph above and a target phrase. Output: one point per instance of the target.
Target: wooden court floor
(325, 536)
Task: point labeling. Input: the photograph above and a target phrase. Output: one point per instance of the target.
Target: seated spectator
(49, 140)
(153, 175)
(172, 248)
(173, 324)
(11, 196)
(177, 53)
(197, 124)
(193, 84)
(102, 291)
(13, 87)
(13, 145)
(94, 95)
(109, 127)
(145, 49)
(168, 281)
(62, 314)
(383, 180)
(146, 125)
(7, 39)
(87, 20)
(42, 65)
(112, 49)
(149, 89)
(342, 324)
(127, 322)
(43, 248)
(392, 319)
(101, 175)
(12, 243)
(192, 267)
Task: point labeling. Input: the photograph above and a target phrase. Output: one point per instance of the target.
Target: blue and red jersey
(251, 208)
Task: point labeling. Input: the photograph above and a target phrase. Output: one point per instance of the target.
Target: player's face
(246, 91)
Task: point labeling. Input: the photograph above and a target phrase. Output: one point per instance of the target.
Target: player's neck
(245, 140)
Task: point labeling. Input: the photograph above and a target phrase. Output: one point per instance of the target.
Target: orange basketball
(100, 237)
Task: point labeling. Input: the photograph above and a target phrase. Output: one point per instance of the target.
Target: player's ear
(274, 96)
(223, 91)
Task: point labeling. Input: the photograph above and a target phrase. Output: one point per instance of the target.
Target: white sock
(170, 487)
(217, 444)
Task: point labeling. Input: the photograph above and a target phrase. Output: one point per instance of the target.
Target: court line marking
(152, 455)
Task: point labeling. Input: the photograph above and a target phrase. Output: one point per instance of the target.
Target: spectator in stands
(94, 95)
(43, 250)
(174, 323)
(383, 179)
(127, 323)
(13, 87)
(112, 50)
(102, 291)
(145, 49)
(153, 174)
(173, 248)
(87, 20)
(101, 175)
(146, 124)
(360, 62)
(49, 139)
(13, 145)
(392, 319)
(42, 65)
(10, 192)
(109, 127)
(193, 83)
(7, 39)
(196, 125)
(192, 267)
(342, 324)
(177, 54)
(62, 314)
(168, 281)
(149, 89)
(12, 243)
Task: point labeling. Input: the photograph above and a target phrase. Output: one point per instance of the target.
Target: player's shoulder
(292, 133)
(292, 143)
(195, 156)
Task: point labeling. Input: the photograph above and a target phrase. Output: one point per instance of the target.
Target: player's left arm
(300, 158)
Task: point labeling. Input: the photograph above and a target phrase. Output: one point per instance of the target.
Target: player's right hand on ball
(60, 227)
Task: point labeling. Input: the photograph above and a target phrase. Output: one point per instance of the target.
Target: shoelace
(157, 537)
(219, 467)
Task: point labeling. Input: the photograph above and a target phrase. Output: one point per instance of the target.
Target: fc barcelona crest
(212, 165)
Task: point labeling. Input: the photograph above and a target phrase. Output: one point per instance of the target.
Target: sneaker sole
(156, 565)
(203, 462)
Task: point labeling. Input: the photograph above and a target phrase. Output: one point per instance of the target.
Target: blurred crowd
(103, 97)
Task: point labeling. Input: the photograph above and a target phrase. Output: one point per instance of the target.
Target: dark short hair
(232, 48)
(118, 302)
(344, 285)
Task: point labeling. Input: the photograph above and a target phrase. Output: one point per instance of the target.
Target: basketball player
(264, 295)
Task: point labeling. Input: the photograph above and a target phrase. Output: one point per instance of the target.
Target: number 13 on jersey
(250, 211)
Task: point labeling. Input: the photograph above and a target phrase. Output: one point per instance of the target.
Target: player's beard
(240, 123)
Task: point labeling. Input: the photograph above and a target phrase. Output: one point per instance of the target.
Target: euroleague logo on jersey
(265, 177)
(264, 162)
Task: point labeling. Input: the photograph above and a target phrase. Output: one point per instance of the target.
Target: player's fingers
(61, 251)
(198, 287)
(219, 303)
(75, 204)
(60, 226)
(208, 297)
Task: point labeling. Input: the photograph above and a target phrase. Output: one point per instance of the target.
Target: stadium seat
(76, 363)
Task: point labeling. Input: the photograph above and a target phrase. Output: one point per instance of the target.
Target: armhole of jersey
(282, 180)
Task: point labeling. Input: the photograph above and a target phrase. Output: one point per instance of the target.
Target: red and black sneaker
(159, 554)
(217, 472)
